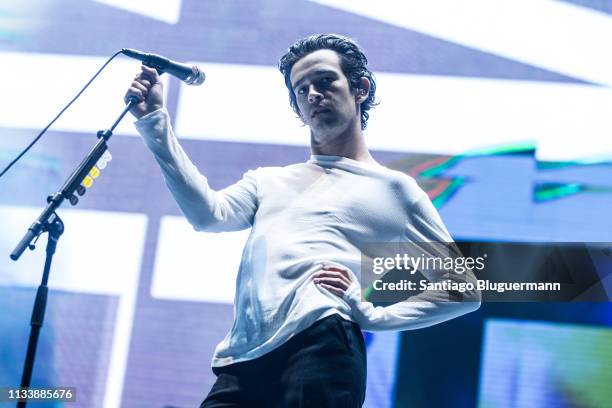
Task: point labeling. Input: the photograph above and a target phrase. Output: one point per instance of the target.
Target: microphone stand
(49, 221)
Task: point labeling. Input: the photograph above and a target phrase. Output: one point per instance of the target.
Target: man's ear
(363, 91)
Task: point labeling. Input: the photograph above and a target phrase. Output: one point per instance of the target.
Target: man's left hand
(335, 279)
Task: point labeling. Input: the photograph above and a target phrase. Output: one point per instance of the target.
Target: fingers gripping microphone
(191, 75)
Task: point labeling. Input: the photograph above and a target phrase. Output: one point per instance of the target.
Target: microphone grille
(197, 76)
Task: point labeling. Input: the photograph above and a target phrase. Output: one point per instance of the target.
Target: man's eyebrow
(316, 73)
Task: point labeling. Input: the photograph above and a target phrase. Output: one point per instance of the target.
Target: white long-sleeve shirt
(302, 216)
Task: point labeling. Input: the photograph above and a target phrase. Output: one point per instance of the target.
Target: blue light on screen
(539, 364)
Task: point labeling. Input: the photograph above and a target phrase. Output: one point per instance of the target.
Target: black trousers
(322, 366)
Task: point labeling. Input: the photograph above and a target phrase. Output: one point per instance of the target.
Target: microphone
(191, 75)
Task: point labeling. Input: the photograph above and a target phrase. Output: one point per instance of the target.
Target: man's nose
(314, 96)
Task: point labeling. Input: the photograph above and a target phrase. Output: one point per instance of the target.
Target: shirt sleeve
(430, 306)
(230, 209)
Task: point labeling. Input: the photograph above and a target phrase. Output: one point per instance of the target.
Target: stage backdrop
(501, 110)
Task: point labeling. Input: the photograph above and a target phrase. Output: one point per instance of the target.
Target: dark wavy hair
(352, 61)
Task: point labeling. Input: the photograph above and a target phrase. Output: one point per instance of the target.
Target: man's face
(324, 98)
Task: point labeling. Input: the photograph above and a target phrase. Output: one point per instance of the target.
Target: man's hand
(149, 90)
(335, 279)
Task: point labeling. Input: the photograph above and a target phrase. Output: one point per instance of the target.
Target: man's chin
(321, 139)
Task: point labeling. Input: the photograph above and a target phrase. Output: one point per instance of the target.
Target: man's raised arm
(207, 210)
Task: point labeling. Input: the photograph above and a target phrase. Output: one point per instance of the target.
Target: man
(296, 341)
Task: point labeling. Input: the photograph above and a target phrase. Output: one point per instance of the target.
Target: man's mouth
(319, 111)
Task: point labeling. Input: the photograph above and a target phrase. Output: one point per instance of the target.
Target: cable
(42, 132)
